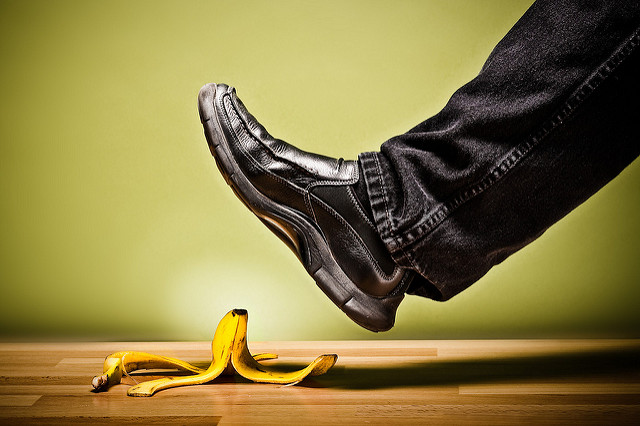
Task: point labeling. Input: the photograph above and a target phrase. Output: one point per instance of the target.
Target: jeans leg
(546, 123)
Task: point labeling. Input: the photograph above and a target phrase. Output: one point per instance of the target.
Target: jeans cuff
(371, 164)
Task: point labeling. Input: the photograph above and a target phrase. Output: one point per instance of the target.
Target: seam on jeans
(405, 258)
(371, 164)
(390, 226)
(407, 255)
(374, 188)
(384, 199)
(517, 154)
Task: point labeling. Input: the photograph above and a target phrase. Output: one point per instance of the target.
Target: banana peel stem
(229, 353)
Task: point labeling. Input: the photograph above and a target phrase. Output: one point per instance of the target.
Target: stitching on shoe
(350, 229)
(331, 183)
(250, 158)
(307, 202)
(356, 203)
(403, 285)
(303, 192)
(308, 188)
(266, 172)
(268, 149)
(349, 192)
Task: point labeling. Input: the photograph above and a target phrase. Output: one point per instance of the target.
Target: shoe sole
(298, 232)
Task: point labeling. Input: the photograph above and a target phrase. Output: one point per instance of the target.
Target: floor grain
(374, 382)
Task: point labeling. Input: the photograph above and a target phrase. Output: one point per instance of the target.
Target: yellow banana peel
(122, 363)
(229, 353)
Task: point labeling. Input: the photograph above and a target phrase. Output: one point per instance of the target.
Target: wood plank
(553, 389)
(18, 400)
(123, 420)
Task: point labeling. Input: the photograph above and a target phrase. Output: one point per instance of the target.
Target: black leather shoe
(308, 201)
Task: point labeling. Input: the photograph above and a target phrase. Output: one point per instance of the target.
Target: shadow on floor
(621, 365)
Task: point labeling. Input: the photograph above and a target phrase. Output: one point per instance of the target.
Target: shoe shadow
(621, 363)
(624, 364)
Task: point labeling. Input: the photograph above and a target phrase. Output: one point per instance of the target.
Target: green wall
(115, 223)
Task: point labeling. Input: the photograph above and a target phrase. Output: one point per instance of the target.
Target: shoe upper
(316, 186)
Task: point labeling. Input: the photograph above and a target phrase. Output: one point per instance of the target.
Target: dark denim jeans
(549, 120)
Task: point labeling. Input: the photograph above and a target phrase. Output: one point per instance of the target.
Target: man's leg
(544, 126)
(549, 120)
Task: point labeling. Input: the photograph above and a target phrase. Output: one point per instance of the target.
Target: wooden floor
(374, 382)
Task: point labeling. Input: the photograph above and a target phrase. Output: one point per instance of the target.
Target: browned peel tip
(99, 381)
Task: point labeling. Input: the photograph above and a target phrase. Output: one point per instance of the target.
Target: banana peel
(229, 353)
(122, 363)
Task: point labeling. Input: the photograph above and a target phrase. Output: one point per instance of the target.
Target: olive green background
(115, 223)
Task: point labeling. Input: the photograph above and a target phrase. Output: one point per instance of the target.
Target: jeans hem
(376, 189)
